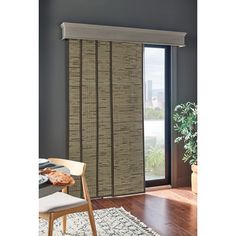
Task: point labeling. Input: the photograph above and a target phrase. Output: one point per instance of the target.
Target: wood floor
(170, 212)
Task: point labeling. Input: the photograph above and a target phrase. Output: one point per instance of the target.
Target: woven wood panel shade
(105, 115)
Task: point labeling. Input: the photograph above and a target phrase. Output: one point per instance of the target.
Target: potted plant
(185, 123)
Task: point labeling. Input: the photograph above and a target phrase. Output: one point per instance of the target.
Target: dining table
(47, 188)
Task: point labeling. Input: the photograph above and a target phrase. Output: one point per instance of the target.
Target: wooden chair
(60, 204)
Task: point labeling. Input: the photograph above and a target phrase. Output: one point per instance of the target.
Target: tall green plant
(185, 123)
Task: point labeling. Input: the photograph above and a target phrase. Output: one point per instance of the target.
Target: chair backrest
(76, 168)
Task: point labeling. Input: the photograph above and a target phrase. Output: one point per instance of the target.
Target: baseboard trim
(149, 189)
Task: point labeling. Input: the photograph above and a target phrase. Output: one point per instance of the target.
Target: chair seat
(59, 201)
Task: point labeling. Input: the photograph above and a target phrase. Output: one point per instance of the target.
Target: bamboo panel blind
(105, 115)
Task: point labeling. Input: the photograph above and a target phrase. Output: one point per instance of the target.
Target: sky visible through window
(154, 68)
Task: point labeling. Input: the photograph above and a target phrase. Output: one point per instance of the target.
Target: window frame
(167, 84)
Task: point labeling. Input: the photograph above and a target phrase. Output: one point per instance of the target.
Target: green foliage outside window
(153, 114)
(155, 161)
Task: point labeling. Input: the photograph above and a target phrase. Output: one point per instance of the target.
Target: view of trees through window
(154, 112)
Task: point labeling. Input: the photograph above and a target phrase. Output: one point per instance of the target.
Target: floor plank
(170, 212)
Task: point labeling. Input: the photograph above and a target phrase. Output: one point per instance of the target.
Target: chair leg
(92, 222)
(64, 224)
(50, 225)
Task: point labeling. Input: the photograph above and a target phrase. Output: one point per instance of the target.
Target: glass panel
(154, 111)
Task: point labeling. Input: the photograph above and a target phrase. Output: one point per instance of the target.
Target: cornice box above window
(122, 34)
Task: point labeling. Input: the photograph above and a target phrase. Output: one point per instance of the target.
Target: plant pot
(194, 178)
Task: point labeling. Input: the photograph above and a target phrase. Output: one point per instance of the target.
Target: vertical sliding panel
(127, 118)
(104, 119)
(74, 107)
(74, 99)
(89, 115)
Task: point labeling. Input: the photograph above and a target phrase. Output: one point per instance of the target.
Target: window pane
(154, 111)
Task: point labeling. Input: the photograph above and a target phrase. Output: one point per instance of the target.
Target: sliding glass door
(156, 100)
